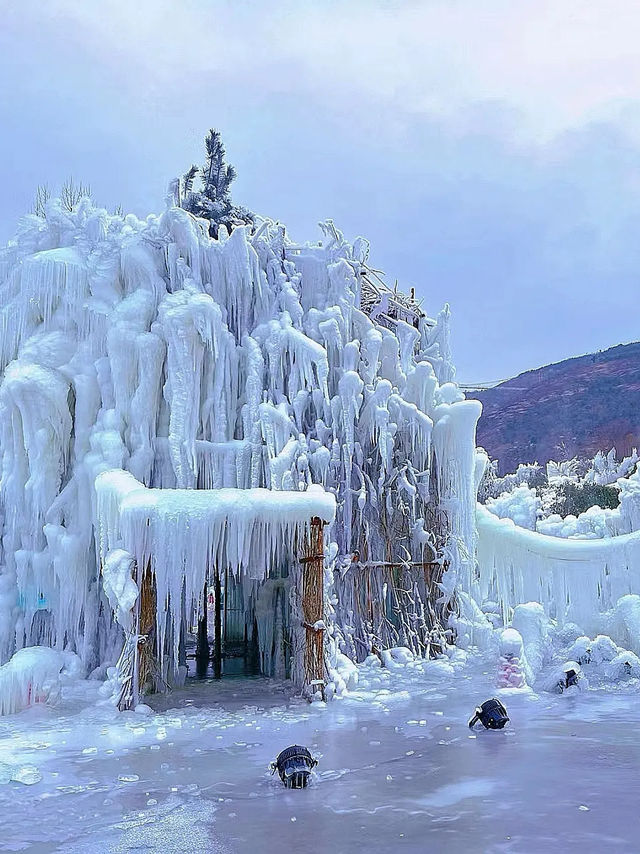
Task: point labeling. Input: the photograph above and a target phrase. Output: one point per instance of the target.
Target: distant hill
(574, 407)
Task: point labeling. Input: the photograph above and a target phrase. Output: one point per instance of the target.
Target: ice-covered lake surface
(399, 770)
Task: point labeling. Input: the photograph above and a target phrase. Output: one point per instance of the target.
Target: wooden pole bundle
(382, 604)
(147, 664)
(137, 666)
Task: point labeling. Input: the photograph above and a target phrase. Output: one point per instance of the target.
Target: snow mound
(33, 675)
(531, 622)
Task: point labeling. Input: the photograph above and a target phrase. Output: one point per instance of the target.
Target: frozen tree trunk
(313, 608)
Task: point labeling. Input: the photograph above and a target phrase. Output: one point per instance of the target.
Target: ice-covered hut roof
(183, 533)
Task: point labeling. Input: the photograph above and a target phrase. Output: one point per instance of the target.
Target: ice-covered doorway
(245, 628)
(175, 541)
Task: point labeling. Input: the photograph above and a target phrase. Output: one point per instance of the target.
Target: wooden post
(202, 640)
(136, 664)
(313, 607)
(146, 633)
(217, 649)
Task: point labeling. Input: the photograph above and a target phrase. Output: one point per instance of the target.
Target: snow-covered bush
(571, 499)
(523, 505)
(492, 485)
(605, 468)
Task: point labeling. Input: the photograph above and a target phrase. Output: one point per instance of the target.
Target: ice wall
(574, 580)
(191, 363)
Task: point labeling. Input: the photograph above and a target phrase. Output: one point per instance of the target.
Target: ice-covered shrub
(522, 505)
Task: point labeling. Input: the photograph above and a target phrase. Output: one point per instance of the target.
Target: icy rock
(580, 650)
(626, 665)
(397, 656)
(594, 652)
(602, 649)
(143, 710)
(554, 679)
(27, 774)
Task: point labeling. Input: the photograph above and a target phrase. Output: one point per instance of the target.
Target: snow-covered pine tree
(213, 202)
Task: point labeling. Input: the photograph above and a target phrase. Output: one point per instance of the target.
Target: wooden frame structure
(389, 604)
(138, 668)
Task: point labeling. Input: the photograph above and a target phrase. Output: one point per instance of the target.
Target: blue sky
(490, 150)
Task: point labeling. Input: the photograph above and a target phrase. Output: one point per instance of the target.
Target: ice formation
(580, 568)
(155, 380)
(511, 667)
(522, 505)
(180, 534)
(605, 468)
(574, 580)
(33, 676)
(529, 497)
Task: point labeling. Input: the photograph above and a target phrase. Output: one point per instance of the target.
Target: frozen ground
(399, 771)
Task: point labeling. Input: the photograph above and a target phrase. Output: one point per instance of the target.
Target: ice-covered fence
(574, 580)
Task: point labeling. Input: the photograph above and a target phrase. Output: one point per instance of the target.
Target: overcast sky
(489, 149)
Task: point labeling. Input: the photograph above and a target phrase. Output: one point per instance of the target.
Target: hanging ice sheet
(573, 579)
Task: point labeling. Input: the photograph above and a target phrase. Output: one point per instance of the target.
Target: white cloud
(454, 134)
(558, 63)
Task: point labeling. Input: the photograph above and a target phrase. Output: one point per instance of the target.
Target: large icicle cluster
(243, 362)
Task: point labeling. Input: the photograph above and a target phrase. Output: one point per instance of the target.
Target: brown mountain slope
(574, 407)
